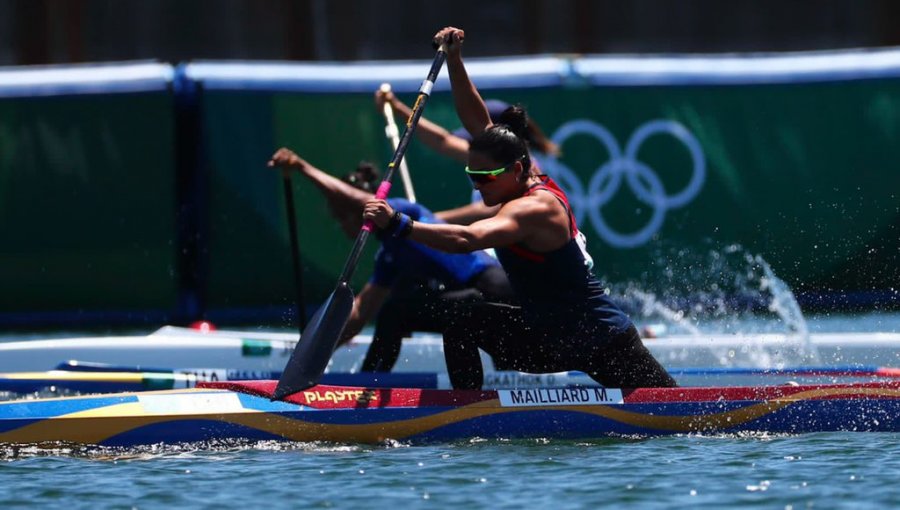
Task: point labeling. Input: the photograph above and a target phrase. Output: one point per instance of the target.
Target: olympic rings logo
(628, 169)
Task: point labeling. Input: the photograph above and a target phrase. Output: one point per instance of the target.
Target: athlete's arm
(469, 106)
(432, 135)
(467, 214)
(522, 220)
(501, 230)
(365, 306)
(333, 188)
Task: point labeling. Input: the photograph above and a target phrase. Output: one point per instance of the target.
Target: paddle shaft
(393, 135)
(307, 363)
(295, 249)
(385, 187)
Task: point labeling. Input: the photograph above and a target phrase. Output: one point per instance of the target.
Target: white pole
(393, 135)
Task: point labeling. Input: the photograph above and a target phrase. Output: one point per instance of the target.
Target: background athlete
(412, 287)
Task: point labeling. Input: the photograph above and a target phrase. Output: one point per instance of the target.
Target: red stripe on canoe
(345, 397)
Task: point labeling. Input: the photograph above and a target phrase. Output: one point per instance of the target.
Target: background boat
(266, 352)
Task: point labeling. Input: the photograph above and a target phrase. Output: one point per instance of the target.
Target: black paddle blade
(316, 345)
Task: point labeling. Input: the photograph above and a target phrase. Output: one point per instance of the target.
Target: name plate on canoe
(559, 397)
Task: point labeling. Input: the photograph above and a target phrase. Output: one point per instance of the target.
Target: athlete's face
(496, 180)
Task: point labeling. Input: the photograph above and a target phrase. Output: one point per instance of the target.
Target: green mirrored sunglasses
(485, 176)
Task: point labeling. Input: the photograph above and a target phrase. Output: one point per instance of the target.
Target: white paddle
(393, 134)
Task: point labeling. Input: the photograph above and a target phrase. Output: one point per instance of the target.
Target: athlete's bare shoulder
(541, 218)
(527, 207)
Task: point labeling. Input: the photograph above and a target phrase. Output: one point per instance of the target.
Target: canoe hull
(243, 412)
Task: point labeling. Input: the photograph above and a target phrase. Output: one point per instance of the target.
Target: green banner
(87, 203)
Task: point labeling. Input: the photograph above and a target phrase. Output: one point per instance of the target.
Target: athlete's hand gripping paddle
(318, 340)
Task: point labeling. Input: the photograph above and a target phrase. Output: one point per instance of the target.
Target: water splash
(652, 307)
(783, 302)
(785, 305)
(727, 291)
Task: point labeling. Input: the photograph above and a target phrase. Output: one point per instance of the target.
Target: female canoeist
(413, 287)
(565, 320)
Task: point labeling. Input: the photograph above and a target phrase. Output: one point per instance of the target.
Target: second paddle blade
(317, 343)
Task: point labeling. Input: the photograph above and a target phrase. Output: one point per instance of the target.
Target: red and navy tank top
(557, 288)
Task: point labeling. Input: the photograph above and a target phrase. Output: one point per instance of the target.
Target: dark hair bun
(367, 171)
(364, 177)
(516, 119)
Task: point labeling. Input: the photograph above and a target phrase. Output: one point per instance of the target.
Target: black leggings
(617, 360)
(418, 307)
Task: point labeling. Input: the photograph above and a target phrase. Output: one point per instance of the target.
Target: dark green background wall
(87, 203)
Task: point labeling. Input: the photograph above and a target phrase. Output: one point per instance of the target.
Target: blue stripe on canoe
(14, 414)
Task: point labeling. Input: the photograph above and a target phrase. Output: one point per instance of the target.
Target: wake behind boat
(244, 411)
